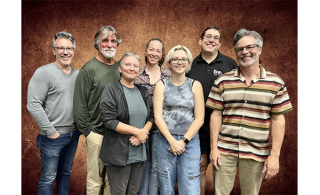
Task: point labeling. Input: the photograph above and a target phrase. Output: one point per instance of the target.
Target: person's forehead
(132, 59)
(212, 32)
(63, 41)
(107, 34)
(246, 40)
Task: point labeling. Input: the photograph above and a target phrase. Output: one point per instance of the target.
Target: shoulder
(45, 69)
(195, 83)
(165, 71)
(196, 59)
(273, 77)
(227, 59)
(90, 65)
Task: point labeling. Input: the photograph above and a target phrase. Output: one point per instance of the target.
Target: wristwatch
(186, 141)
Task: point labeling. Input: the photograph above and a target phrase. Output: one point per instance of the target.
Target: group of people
(152, 128)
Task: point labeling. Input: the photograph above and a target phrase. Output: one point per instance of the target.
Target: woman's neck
(178, 80)
(154, 73)
(127, 83)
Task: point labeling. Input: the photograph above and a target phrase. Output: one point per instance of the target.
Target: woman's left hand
(177, 147)
(135, 141)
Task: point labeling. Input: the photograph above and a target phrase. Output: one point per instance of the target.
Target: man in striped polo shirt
(245, 101)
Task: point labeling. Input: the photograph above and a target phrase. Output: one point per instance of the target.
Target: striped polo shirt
(246, 112)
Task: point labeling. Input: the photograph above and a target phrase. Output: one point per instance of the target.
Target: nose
(65, 51)
(109, 44)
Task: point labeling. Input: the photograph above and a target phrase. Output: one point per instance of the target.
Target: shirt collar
(217, 59)
(261, 75)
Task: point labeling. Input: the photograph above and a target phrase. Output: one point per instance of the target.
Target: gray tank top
(178, 106)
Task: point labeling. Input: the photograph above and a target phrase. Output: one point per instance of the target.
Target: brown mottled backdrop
(174, 22)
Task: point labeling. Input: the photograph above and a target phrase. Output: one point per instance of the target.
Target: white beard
(106, 54)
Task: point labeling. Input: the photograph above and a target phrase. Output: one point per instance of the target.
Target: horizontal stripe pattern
(247, 110)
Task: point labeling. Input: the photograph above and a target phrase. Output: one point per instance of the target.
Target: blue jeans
(57, 157)
(184, 167)
(149, 181)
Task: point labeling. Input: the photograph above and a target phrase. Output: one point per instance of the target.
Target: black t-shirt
(206, 74)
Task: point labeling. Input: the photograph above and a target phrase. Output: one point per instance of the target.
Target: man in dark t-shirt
(206, 68)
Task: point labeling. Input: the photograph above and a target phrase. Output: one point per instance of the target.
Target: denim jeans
(57, 157)
(149, 182)
(184, 167)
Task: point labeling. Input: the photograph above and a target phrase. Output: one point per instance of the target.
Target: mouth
(153, 58)
(109, 51)
(246, 57)
(65, 57)
(210, 45)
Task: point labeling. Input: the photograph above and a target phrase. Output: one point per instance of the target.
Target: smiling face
(154, 52)
(210, 43)
(179, 62)
(248, 58)
(63, 58)
(108, 44)
(129, 68)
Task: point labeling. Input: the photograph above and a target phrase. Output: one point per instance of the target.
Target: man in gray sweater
(50, 102)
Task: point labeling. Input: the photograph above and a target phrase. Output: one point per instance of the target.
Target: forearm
(127, 129)
(193, 129)
(148, 126)
(80, 103)
(41, 118)
(162, 126)
(37, 94)
(278, 131)
(215, 126)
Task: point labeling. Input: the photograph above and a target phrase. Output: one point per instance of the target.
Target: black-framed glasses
(62, 49)
(210, 37)
(249, 48)
(176, 60)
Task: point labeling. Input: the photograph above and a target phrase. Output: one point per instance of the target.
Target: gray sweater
(50, 99)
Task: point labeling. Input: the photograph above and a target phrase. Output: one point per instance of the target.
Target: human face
(108, 44)
(248, 58)
(179, 67)
(130, 68)
(63, 58)
(154, 52)
(210, 43)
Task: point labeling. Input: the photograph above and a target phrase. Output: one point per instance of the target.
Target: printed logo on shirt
(217, 72)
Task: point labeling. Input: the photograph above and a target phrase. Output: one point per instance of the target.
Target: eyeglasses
(62, 49)
(249, 48)
(210, 37)
(177, 60)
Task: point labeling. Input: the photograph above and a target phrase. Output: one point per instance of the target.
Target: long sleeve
(37, 92)
(80, 102)
(109, 108)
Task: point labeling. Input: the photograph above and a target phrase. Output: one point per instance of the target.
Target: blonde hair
(175, 48)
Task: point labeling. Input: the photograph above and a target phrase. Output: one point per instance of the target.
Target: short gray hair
(130, 54)
(63, 35)
(109, 29)
(244, 32)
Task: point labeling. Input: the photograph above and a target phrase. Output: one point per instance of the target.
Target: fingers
(215, 164)
(176, 152)
(270, 170)
(215, 159)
